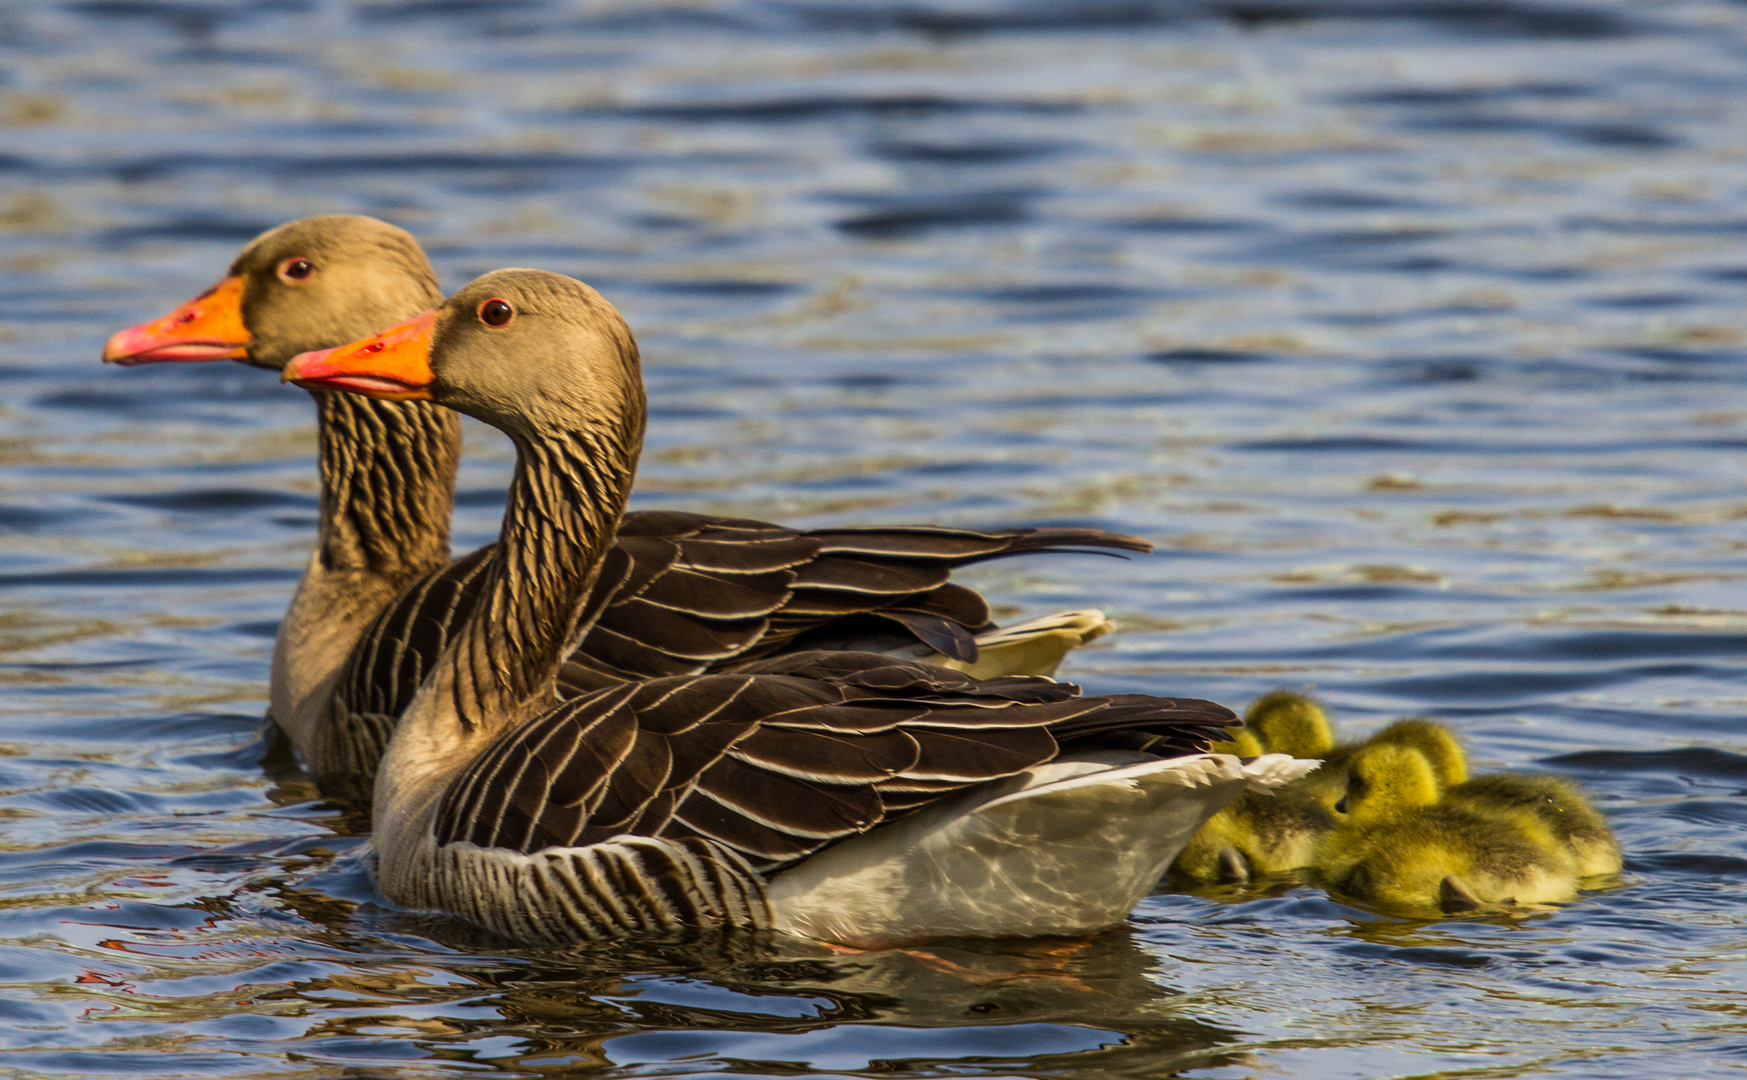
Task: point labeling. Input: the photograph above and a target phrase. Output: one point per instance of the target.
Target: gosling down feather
(682, 593)
(1270, 835)
(1555, 802)
(849, 796)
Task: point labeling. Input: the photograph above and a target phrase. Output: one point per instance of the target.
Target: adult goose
(683, 593)
(847, 796)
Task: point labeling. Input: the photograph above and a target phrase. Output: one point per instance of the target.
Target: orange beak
(208, 327)
(395, 364)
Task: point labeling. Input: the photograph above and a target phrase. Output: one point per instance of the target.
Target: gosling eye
(1341, 807)
(296, 270)
(496, 313)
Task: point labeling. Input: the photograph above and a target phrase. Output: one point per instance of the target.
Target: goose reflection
(1061, 1006)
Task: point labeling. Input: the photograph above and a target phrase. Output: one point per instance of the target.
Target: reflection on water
(1409, 332)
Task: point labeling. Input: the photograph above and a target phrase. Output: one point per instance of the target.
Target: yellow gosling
(1400, 847)
(1556, 803)
(1258, 834)
(1287, 719)
(1265, 834)
(1439, 745)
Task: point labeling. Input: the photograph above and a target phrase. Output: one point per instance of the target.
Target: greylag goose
(847, 796)
(387, 469)
(686, 592)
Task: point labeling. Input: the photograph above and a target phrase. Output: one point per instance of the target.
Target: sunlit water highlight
(1409, 331)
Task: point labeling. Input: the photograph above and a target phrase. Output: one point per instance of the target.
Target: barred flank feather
(627, 886)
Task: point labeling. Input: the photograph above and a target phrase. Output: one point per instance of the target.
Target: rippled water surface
(1411, 332)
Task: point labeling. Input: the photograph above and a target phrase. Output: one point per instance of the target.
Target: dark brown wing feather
(684, 593)
(774, 590)
(961, 547)
(783, 759)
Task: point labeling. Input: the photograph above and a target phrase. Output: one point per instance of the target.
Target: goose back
(683, 594)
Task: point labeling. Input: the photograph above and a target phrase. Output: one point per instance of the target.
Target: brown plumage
(780, 758)
(682, 593)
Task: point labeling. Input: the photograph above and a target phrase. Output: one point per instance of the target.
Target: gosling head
(309, 284)
(1290, 723)
(1437, 742)
(534, 354)
(1386, 782)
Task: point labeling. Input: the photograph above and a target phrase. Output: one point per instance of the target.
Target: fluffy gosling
(1262, 833)
(1559, 805)
(1258, 834)
(1400, 847)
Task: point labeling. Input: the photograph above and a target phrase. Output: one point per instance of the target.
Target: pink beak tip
(295, 369)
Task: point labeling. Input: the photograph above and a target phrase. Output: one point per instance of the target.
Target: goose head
(305, 285)
(535, 354)
(1386, 782)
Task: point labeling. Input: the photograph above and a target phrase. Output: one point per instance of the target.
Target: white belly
(1066, 848)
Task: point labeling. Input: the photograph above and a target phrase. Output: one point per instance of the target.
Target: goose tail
(1035, 647)
(1068, 847)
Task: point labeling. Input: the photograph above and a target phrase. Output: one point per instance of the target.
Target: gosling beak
(208, 327)
(394, 364)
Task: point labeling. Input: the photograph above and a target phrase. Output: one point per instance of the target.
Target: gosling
(1257, 834)
(1286, 718)
(1559, 805)
(1399, 847)
(1571, 818)
(1262, 833)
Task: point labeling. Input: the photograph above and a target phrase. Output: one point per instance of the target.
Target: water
(1409, 331)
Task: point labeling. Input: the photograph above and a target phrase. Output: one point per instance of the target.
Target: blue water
(1411, 332)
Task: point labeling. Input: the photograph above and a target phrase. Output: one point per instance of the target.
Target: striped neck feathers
(387, 484)
(562, 515)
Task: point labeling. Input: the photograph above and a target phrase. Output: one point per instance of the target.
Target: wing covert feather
(683, 593)
(816, 755)
(703, 592)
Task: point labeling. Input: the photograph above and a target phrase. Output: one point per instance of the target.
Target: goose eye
(495, 312)
(296, 269)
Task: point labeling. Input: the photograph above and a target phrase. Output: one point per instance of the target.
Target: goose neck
(387, 484)
(562, 515)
